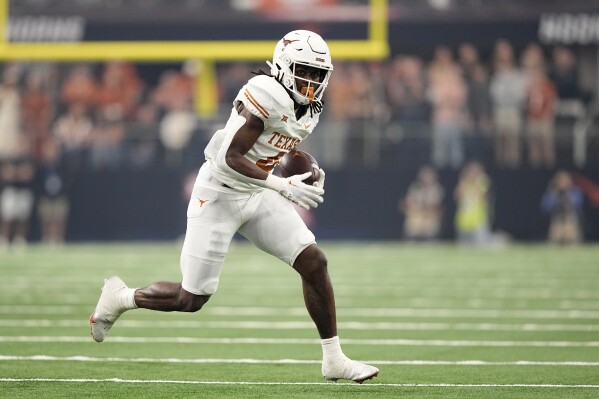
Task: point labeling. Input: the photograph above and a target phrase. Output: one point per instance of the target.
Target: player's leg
(166, 296)
(277, 229)
(209, 233)
(311, 264)
(206, 243)
(201, 262)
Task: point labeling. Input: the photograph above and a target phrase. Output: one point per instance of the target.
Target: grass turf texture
(440, 305)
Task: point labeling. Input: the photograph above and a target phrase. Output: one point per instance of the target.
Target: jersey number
(269, 163)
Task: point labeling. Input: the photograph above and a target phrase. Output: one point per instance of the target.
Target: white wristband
(275, 183)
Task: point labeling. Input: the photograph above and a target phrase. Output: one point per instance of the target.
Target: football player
(235, 191)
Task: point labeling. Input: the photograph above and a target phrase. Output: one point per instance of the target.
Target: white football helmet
(305, 48)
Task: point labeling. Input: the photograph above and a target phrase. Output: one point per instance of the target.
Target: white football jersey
(264, 97)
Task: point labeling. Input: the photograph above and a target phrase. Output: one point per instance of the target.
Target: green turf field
(440, 322)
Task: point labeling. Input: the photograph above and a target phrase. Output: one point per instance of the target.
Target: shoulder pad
(274, 88)
(264, 97)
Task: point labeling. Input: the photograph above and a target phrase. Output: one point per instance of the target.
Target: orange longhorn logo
(202, 202)
(287, 41)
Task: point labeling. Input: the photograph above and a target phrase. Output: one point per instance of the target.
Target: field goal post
(207, 53)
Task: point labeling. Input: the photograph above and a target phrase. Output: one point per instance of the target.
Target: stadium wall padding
(359, 204)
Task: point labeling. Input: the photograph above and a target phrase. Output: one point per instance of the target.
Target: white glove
(320, 181)
(295, 190)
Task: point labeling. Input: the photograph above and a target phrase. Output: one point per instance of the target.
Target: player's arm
(242, 142)
(246, 130)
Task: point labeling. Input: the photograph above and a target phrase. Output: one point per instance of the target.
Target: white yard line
(28, 295)
(306, 341)
(416, 312)
(344, 312)
(46, 358)
(364, 386)
(304, 325)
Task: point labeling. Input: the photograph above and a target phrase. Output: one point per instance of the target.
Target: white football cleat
(344, 368)
(110, 306)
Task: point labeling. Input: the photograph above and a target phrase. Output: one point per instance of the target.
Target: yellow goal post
(207, 53)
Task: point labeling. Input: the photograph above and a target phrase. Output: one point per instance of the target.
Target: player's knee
(311, 263)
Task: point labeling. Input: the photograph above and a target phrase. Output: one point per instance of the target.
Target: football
(297, 162)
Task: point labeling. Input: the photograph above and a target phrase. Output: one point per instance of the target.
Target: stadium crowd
(458, 106)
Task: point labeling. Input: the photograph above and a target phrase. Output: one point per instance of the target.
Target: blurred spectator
(407, 91)
(448, 94)
(572, 100)
(174, 96)
(232, 77)
(542, 102)
(142, 136)
(52, 197)
(73, 134)
(468, 58)
(422, 207)
(588, 187)
(533, 60)
(563, 201)
(564, 74)
(80, 87)
(37, 111)
(16, 198)
(442, 64)
(176, 130)
(10, 113)
(107, 140)
(377, 75)
(508, 94)
(174, 91)
(473, 214)
(120, 91)
(479, 125)
(361, 113)
(331, 148)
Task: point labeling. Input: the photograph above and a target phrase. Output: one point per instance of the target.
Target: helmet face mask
(296, 58)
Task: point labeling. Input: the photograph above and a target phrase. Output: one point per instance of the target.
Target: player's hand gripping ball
(297, 162)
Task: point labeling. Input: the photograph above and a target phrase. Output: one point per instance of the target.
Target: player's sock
(331, 348)
(128, 298)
